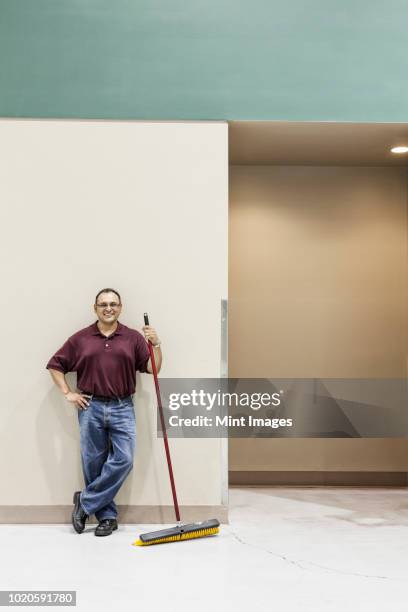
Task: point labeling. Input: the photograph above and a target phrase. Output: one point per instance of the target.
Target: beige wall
(141, 207)
(318, 288)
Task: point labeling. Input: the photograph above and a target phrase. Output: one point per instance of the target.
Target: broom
(180, 532)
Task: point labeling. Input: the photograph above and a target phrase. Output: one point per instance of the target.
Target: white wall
(141, 207)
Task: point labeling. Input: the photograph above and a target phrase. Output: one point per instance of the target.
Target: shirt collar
(96, 332)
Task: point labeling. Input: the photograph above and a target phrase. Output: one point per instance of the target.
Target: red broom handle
(166, 442)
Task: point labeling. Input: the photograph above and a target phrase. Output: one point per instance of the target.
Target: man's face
(108, 307)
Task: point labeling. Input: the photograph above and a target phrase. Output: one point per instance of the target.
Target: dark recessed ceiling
(292, 143)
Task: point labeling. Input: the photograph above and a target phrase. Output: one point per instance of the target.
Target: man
(106, 356)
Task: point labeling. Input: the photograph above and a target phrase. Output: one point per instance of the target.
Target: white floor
(286, 549)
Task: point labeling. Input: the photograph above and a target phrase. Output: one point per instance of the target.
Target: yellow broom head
(179, 533)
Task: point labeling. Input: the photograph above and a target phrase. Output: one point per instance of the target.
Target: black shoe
(105, 527)
(79, 516)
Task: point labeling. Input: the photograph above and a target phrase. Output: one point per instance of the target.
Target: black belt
(104, 398)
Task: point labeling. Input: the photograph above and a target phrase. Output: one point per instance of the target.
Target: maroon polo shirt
(104, 365)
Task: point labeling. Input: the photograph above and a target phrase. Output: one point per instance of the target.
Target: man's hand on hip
(80, 401)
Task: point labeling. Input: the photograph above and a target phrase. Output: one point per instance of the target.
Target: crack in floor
(298, 563)
(277, 555)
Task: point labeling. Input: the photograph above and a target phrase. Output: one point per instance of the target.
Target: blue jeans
(108, 437)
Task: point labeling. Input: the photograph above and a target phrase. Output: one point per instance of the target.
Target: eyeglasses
(110, 305)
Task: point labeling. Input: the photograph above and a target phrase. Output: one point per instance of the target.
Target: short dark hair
(107, 290)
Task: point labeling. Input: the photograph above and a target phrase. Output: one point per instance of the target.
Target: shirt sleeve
(64, 359)
(142, 353)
